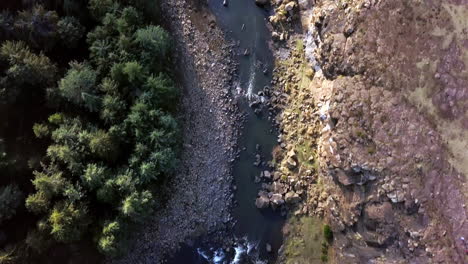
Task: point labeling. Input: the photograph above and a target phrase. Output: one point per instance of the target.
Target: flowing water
(245, 23)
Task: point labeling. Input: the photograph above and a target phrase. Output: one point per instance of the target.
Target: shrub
(327, 233)
(41, 130)
(324, 258)
(56, 119)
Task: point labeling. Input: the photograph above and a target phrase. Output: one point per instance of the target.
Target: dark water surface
(245, 23)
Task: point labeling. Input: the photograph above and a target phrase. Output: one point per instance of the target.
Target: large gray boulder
(276, 200)
(262, 202)
(292, 198)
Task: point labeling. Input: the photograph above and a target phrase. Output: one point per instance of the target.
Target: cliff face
(392, 97)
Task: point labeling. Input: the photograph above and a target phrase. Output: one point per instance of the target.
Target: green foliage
(79, 81)
(161, 91)
(128, 21)
(41, 130)
(26, 67)
(110, 241)
(94, 176)
(324, 258)
(66, 155)
(104, 146)
(56, 119)
(112, 109)
(133, 72)
(73, 193)
(116, 138)
(10, 199)
(155, 45)
(100, 8)
(49, 184)
(137, 206)
(68, 221)
(327, 233)
(38, 203)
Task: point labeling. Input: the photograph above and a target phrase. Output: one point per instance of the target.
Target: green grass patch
(303, 245)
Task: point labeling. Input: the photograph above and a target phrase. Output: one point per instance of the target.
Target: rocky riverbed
(200, 194)
(370, 101)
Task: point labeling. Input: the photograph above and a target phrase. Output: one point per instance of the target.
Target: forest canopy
(105, 129)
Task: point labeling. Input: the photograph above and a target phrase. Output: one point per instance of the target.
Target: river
(245, 23)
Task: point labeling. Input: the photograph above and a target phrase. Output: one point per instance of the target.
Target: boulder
(292, 164)
(267, 174)
(357, 175)
(262, 202)
(292, 154)
(275, 35)
(304, 4)
(278, 188)
(276, 200)
(268, 248)
(292, 198)
(290, 6)
(276, 175)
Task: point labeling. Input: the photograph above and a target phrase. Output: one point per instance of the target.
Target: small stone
(268, 248)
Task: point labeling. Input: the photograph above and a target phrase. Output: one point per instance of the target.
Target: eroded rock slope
(387, 112)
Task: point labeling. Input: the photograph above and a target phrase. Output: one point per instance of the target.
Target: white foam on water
(218, 256)
(240, 250)
(251, 85)
(250, 247)
(203, 254)
(244, 252)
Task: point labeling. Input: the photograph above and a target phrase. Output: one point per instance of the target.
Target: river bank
(200, 194)
(379, 122)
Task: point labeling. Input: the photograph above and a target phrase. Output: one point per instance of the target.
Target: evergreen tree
(68, 221)
(79, 81)
(26, 67)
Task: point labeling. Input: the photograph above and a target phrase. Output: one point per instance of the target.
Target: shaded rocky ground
(375, 141)
(200, 195)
